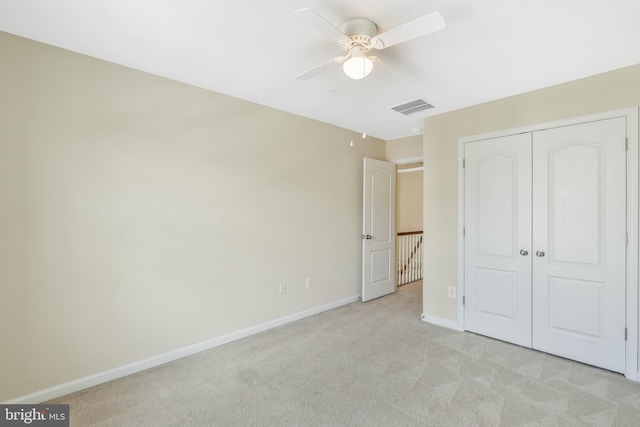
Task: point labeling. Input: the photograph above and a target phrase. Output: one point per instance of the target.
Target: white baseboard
(442, 322)
(132, 368)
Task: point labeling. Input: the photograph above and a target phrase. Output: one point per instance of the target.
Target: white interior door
(579, 199)
(378, 229)
(498, 238)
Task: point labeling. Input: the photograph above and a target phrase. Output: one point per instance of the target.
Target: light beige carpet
(369, 364)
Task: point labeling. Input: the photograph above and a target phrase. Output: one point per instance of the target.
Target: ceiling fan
(359, 36)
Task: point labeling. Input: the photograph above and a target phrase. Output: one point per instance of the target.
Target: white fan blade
(311, 18)
(427, 24)
(320, 68)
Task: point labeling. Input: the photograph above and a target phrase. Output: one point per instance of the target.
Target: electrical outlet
(283, 287)
(308, 282)
(451, 291)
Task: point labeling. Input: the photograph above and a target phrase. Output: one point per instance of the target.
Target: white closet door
(579, 242)
(498, 228)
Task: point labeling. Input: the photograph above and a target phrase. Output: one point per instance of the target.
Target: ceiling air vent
(412, 107)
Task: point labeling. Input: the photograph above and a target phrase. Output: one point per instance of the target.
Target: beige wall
(604, 92)
(409, 202)
(404, 148)
(409, 184)
(139, 215)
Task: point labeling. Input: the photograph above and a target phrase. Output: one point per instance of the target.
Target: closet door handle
(540, 253)
(524, 252)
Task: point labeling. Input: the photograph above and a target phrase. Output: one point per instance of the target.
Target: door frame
(631, 116)
(404, 161)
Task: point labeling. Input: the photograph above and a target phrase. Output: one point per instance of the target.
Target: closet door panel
(579, 192)
(497, 223)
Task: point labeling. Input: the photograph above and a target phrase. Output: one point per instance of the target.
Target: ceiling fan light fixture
(358, 66)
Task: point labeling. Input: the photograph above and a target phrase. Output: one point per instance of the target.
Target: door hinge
(626, 144)
(625, 334)
(463, 164)
(464, 231)
(626, 239)
(463, 301)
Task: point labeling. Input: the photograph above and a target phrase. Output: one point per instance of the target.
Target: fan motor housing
(359, 27)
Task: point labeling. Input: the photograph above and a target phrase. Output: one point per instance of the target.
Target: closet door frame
(631, 118)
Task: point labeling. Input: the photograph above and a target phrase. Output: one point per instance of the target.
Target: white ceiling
(253, 49)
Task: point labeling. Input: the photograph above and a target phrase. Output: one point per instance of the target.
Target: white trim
(407, 160)
(141, 365)
(631, 370)
(631, 116)
(419, 168)
(624, 112)
(460, 306)
(449, 324)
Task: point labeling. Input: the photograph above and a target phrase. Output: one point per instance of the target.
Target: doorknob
(540, 253)
(524, 252)
(367, 236)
